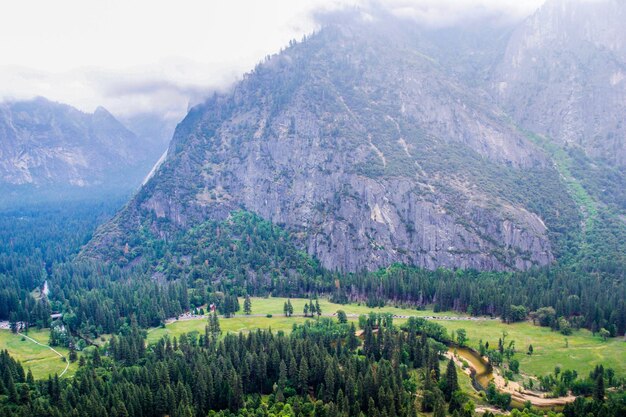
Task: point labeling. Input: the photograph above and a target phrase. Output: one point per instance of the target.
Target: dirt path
(67, 363)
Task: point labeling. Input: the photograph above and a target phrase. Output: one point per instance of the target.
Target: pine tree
(456, 402)
(282, 375)
(73, 356)
(97, 360)
(247, 305)
(598, 390)
(452, 383)
(440, 410)
(303, 377)
(11, 390)
(353, 340)
(329, 382)
(214, 324)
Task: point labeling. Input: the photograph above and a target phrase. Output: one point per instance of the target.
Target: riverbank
(479, 370)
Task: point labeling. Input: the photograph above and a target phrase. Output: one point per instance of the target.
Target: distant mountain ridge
(47, 146)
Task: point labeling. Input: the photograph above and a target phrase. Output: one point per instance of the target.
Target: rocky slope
(369, 151)
(563, 75)
(48, 146)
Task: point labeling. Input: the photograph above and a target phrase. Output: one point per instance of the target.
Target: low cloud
(155, 56)
(442, 13)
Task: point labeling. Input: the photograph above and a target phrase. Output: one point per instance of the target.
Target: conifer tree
(214, 325)
(598, 390)
(452, 383)
(440, 410)
(12, 392)
(303, 377)
(247, 305)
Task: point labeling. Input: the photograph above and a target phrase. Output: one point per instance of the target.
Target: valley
(385, 218)
(583, 351)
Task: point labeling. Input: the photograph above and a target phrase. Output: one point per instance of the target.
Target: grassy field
(234, 324)
(584, 350)
(274, 306)
(41, 360)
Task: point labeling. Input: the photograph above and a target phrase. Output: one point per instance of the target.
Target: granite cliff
(368, 150)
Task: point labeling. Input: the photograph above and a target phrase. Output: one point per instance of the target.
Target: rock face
(563, 75)
(364, 147)
(46, 145)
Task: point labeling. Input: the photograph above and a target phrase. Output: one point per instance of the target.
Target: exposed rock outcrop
(367, 150)
(563, 75)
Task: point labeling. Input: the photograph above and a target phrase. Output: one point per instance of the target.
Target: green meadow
(278, 321)
(581, 352)
(40, 359)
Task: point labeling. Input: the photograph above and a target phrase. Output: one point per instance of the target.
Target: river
(483, 375)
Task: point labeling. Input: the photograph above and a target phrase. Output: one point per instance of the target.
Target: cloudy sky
(158, 55)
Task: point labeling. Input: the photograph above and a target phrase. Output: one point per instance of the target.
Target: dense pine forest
(247, 255)
(320, 369)
(412, 209)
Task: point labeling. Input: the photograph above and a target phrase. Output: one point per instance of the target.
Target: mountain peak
(368, 151)
(102, 111)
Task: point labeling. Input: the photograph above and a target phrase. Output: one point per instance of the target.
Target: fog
(160, 56)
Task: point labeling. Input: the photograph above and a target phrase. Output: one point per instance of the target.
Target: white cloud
(448, 12)
(156, 55)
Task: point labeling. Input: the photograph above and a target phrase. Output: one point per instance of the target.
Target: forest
(248, 255)
(320, 368)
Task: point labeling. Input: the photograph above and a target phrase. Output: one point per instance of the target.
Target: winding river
(483, 375)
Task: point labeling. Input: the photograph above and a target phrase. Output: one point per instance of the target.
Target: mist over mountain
(50, 150)
(563, 75)
(414, 185)
(380, 141)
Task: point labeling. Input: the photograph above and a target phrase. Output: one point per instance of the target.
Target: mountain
(563, 75)
(369, 152)
(52, 150)
(152, 128)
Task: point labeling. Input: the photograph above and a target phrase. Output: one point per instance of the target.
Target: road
(189, 316)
